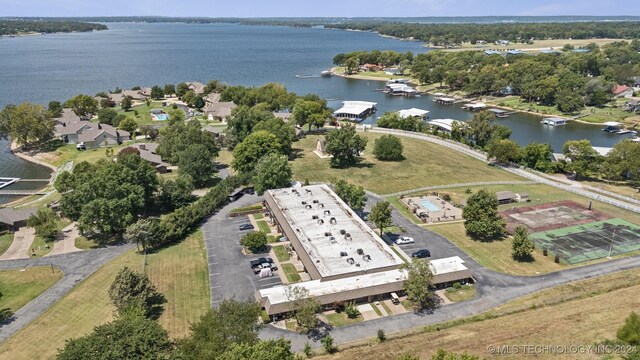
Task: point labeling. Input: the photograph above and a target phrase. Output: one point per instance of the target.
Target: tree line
(16, 27)
(569, 81)
(457, 33)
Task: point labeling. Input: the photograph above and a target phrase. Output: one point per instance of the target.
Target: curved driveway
(75, 267)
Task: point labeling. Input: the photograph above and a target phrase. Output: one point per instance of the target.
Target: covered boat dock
(355, 110)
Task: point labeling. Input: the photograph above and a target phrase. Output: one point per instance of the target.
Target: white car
(404, 240)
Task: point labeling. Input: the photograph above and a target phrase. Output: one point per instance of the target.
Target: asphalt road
(230, 274)
(76, 267)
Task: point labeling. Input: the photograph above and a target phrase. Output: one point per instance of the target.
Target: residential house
(136, 95)
(219, 110)
(371, 67)
(633, 105)
(622, 91)
(117, 98)
(148, 152)
(196, 87)
(285, 116)
(67, 117)
(12, 219)
(217, 131)
(92, 134)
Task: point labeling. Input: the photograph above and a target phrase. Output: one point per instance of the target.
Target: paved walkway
(67, 244)
(22, 240)
(76, 267)
(620, 201)
(482, 183)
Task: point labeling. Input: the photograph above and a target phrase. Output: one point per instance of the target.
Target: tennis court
(550, 216)
(595, 240)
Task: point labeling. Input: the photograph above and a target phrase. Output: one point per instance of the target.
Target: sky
(317, 8)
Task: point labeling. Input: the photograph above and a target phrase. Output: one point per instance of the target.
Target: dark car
(246, 227)
(421, 254)
(260, 260)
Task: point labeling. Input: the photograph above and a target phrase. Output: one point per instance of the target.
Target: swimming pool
(161, 117)
(429, 205)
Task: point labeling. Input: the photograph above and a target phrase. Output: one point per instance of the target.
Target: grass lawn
(375, 308)
(42, 246)
(386, 308)
(144, 117)
(611, 112)
(258, 216)
(272, 239)
(291, 325)
(291, 273)
(85, 244)
(20, 286)
(496, 255)
(180, 273)
(395, 201)
(5, 242)
(616, 188)
(69, 152)
(466, 292)
(569, 314)
(341, 319)
(281, 253)
(264, 227)
(426, 164)
(247, 208)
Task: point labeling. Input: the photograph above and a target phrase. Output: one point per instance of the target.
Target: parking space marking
(214, 274)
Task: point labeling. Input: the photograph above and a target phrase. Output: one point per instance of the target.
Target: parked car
(420, 254)
(266, 265)
(246, 227)
(260, 260)
(404, 240)
(81, 146)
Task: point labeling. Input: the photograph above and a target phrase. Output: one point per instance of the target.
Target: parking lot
(230, 274)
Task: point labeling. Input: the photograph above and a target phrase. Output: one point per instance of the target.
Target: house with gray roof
(219, 110)
(67, 117)
(148, 152)
(92, 134)
(12, 219)
(196, 86)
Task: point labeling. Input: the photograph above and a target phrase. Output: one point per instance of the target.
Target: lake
(59, 66)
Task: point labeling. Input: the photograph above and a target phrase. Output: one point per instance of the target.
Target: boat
(554, 121)
(474, 106)
(326, 73)
(613, 127)
(500, 113)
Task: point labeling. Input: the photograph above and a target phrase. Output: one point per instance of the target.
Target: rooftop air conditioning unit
(343, 253)
(343, 231)
(350, 261)
(360, 252)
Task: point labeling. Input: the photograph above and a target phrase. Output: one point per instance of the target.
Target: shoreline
(465, 98)
(14, 150)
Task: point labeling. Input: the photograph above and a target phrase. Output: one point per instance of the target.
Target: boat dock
(22, 192)
(500, 113)
(444, 100)
(6, 181)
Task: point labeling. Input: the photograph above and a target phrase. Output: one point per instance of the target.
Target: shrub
(308, 352)
(254, 241)
(545, 252)
(352, 311)
(388, 148)
(457, 285)
(557, 259)
(446, 197)
(327, 343)
(468, 191)
(381, 335)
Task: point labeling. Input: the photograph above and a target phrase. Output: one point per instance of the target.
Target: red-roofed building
(620, 91)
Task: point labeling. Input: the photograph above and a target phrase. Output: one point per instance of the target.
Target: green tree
(272, 349)
(419, 279)
(310, 112)
(305, 307)
(504, 151)
(352, 65)
(5, 313)
(145, 233)
(272, 172)
(107, 116)
(585, 160)
(255, 241)
(537, 156)
(448, 355)
(45, 222)
(198, 163)
(169, 89)
(388, 148)
(328, 345)
(181, 89)
(26, 124)
(127, 103)
(55, 109)
(284, 131)
(481, 128)
(82, 105)
(624, 159)
(481, 218)
(232, 322)
(630, 331)
(176, 193)
(176, 116)
(345, 146)
(132, 289)
(522, 247)
(128, 337)
(252, 149)
(157, 93)
(351, 194)
(381, 215)
(242, 120)
(129, 125)
(178, 136)
(569, 102)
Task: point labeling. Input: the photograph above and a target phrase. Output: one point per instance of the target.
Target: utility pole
(611, 247)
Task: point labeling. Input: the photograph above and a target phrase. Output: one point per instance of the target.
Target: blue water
(161, 117)
(427, 204)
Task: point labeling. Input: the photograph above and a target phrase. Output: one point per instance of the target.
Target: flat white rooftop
(321, 220)
(277, 294)
(444, 123)
(412, 112)
(355, 107)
